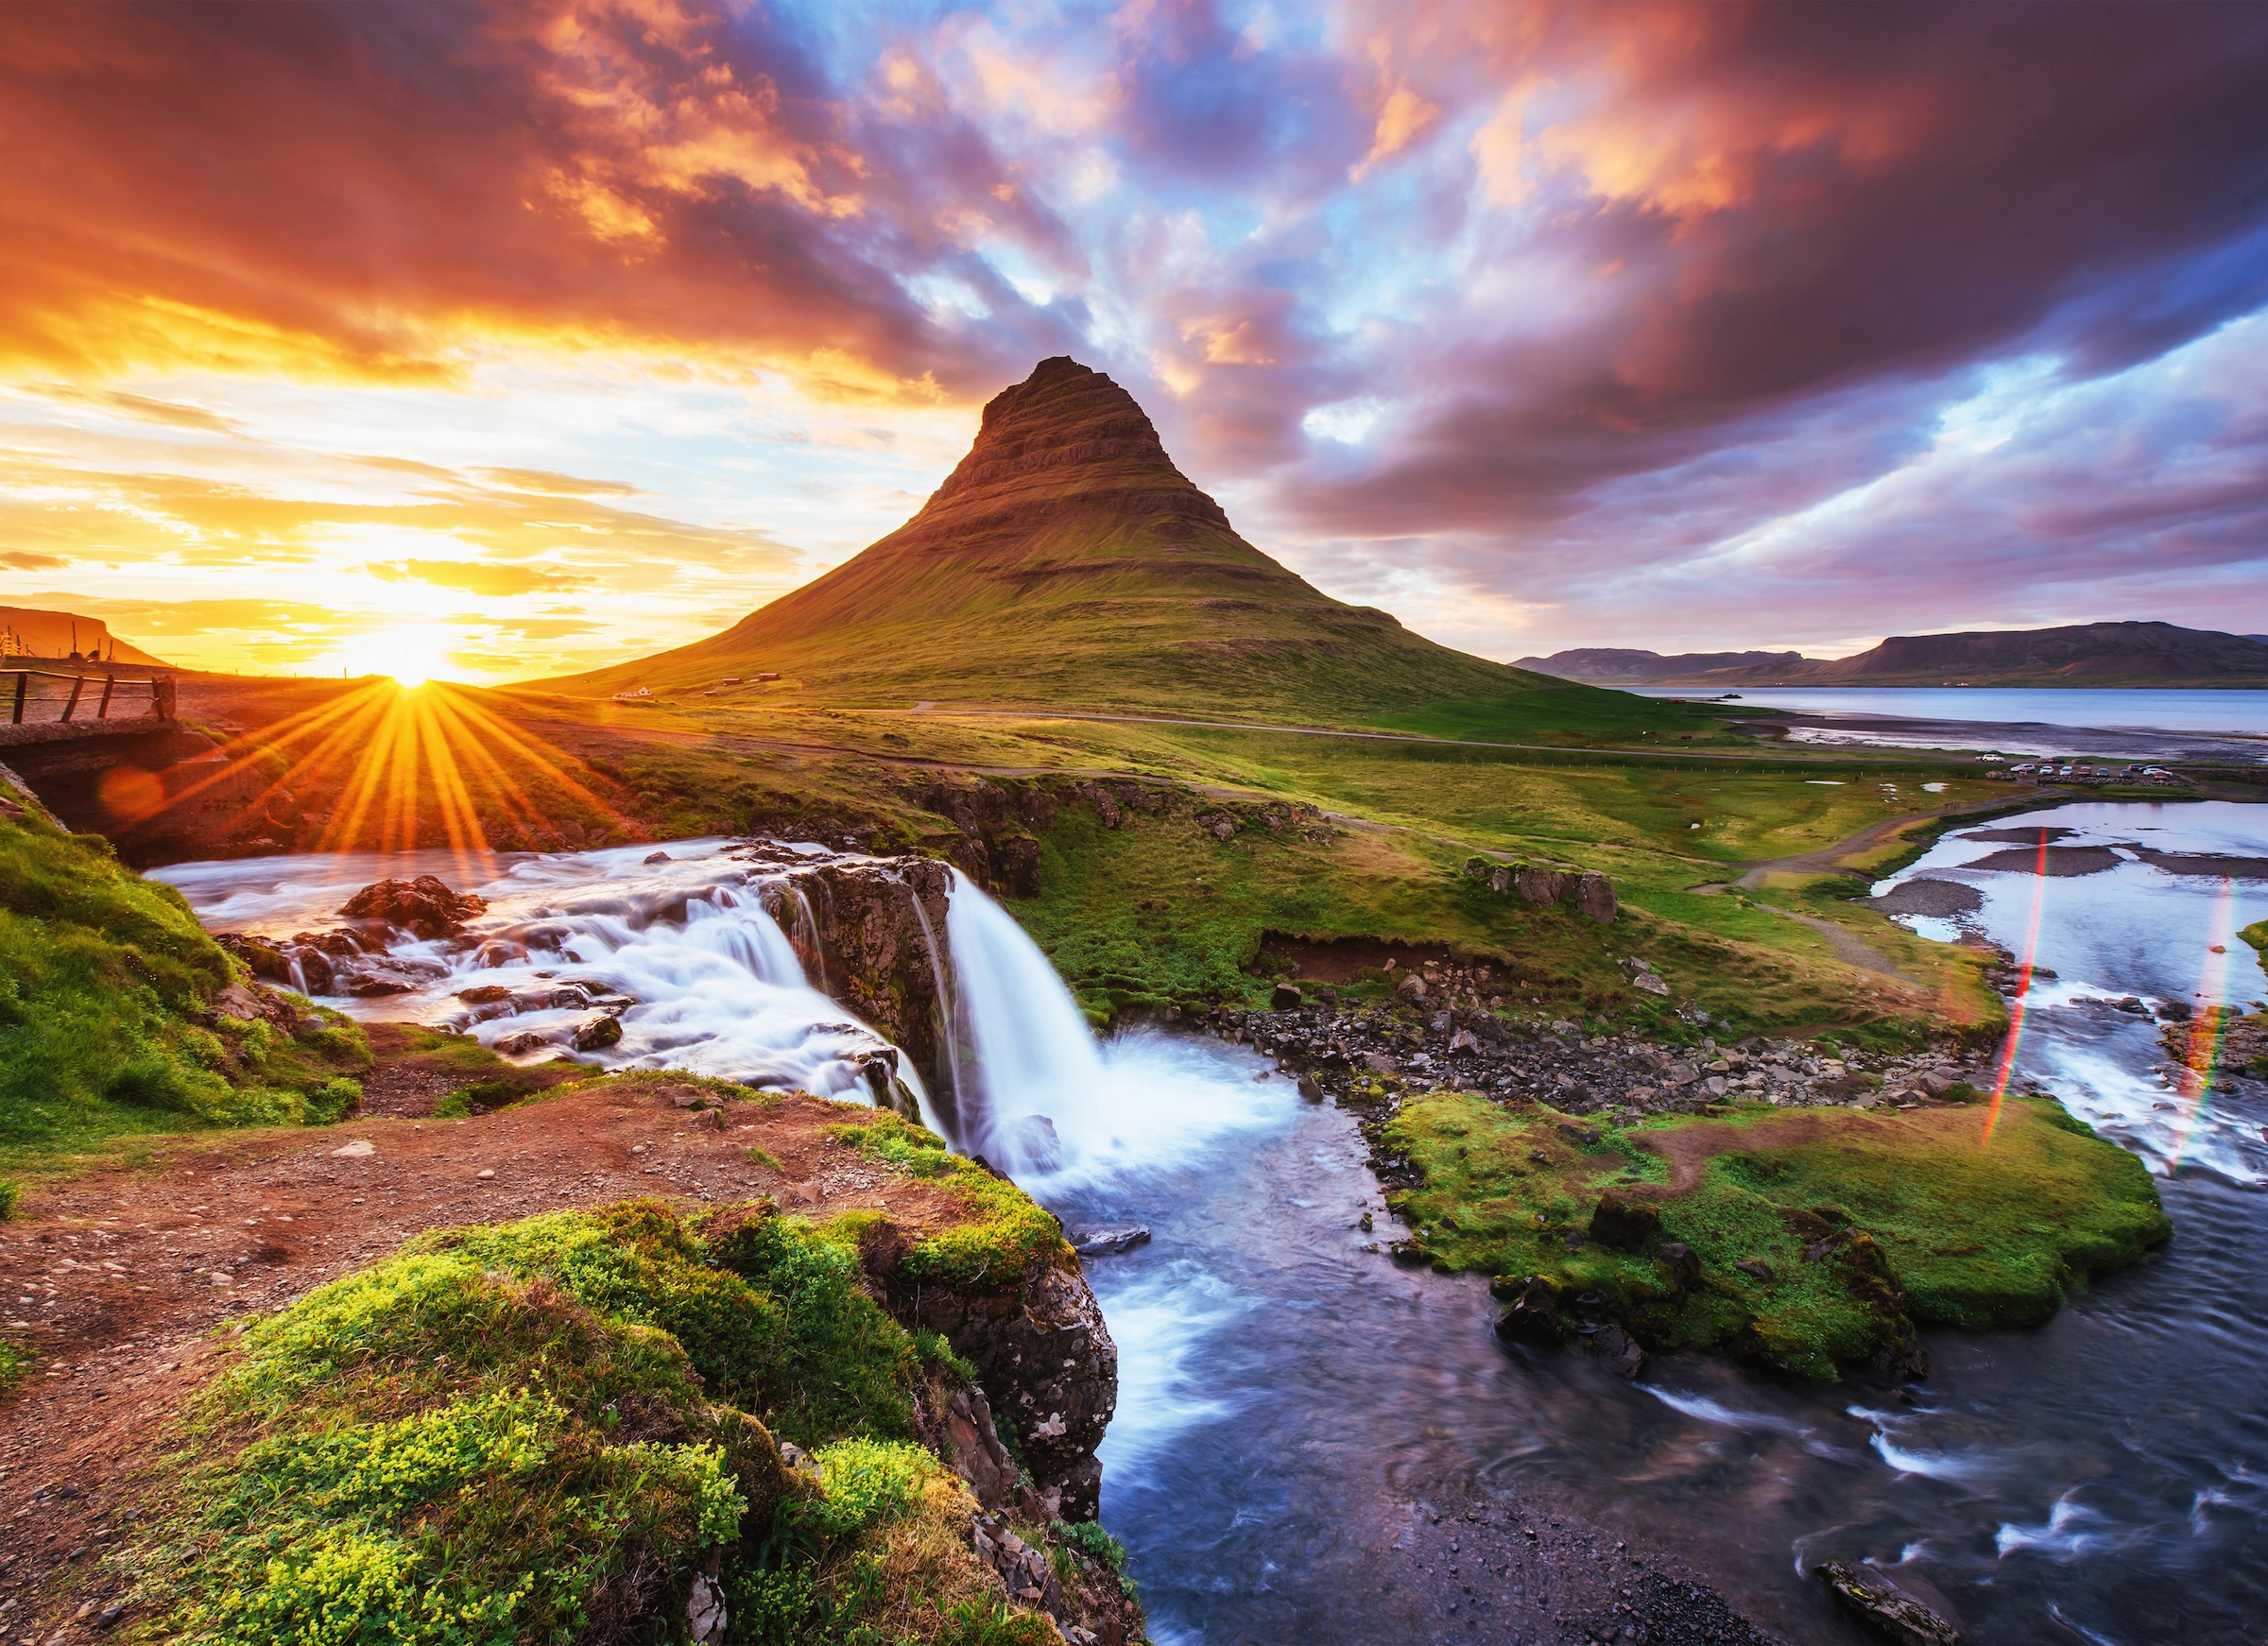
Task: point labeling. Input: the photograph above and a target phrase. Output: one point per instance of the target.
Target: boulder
(1533, 1314)
(1624, 1221)
(1285, 998)
(1682, 1262)
(1542, 885)
(1650, 983)
(375, 979)
(423, 906)
(1594, 899)
(594, 1034)
(1622, 1351)
(1411, 987)
(1477, 867)
(1885, 1608)
(1100, 1242)
(262, 957)
(1937, 1082)
(1500, 880)
(316, 968)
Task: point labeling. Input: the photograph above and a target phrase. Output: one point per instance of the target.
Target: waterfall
(947, 1026)
(747, 935)
(1033, 1096)
(810, 930)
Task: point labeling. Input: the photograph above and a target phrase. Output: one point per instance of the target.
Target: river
(1288, 1399)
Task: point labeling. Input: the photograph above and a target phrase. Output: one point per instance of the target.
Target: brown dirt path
(124, 1282)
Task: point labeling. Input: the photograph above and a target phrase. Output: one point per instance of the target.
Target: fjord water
(1289, 1401)
(2142, 723)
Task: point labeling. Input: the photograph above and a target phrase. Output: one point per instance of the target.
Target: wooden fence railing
(42, 696)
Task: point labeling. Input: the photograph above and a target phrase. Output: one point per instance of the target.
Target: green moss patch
(1008, 1232)
(544, 1431)
(1817, 1238)
(106, 1019)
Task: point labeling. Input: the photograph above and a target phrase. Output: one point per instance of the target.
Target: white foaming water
(718, 990)
(2165, 938)
(2070, 1533)
(1042, 1100)
(1159, 1323)
(1711, 1411)
(715, 984)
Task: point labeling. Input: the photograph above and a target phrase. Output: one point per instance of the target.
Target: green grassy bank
(1808, 1240)
(568, 1428)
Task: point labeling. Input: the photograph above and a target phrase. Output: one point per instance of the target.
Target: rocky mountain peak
(1065, 429)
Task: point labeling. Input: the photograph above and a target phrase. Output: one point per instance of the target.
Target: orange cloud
(380, 193)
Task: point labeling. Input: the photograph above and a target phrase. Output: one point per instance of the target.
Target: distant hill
(1620, 666)
(33, 632)
(1068, 563)
(2091, 653)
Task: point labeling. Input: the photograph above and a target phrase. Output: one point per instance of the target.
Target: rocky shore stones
(1533, 1314)
(1937, 898)
(1884, 1608)
(423, 907)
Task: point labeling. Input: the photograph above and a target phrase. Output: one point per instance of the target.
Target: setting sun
(409, 657)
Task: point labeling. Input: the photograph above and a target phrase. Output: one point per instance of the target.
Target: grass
(108, 1022)
(1862, 1224)
(545, 1430)
(1156, 912)
(484, 1080)
(1007, 1232)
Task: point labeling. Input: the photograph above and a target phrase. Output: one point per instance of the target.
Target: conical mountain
(1067, 562)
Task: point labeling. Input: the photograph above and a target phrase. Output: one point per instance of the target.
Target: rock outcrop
(423, 907)
(1589, 895)
(1884, 1608)
(1043, 1354)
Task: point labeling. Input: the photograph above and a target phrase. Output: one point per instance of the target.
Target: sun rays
(385, 766)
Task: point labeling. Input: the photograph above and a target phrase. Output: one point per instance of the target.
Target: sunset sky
(526, 338)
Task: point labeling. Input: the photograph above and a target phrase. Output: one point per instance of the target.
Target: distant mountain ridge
(2090, 654)
(1067, 561)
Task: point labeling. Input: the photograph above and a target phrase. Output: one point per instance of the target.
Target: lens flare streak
(2018, 1007)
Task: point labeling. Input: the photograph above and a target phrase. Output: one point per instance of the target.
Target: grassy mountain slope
(1067, 562)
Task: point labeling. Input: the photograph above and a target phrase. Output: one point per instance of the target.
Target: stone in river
(1884, 1608)
(1098, 1242)
(423, 906)
(593, 1034)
